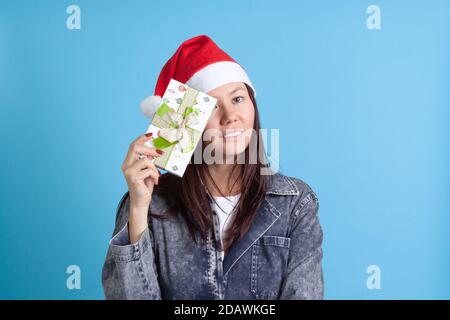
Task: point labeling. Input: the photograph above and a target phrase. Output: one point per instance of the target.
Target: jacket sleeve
(304, 278)
(129, 271)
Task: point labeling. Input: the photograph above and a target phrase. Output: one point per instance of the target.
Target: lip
(232, 133)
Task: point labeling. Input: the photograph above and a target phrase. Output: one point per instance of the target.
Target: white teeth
(233, 134)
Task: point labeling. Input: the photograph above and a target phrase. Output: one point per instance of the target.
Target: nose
(228, 114)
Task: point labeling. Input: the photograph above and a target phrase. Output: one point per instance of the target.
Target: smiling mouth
(232, 134)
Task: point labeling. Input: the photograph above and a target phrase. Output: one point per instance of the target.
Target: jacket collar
(280, 184)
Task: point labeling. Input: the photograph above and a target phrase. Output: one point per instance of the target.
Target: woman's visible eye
(238, 99)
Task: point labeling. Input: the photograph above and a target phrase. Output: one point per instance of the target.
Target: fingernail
(160, 152)
(149, 134)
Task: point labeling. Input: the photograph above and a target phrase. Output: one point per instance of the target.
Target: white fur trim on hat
(217, 74)
(149, 105)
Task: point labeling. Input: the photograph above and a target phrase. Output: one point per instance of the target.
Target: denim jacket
(280, 256)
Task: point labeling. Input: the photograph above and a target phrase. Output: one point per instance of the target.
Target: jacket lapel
(266, 215)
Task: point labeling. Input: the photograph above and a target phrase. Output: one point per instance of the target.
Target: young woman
(225, 230)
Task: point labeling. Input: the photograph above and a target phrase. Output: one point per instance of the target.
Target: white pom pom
(149, 105)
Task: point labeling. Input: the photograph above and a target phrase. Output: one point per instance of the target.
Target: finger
(148, 151)
(142, 164)
(142, 138)
(154, 170)
(144, 174)
(150, 156)
(130, 156)
(148, 176)
(153, 178)
(135, 150)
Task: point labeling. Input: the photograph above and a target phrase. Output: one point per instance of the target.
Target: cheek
(211, 130)
(213, 122)
(249, 116)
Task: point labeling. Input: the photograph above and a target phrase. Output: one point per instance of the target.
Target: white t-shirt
(224, 209)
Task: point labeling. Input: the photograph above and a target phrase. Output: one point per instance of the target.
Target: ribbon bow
(177, 128)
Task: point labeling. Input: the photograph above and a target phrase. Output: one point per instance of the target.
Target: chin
(233, 151)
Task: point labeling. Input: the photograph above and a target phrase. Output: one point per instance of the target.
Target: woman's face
(231, 123)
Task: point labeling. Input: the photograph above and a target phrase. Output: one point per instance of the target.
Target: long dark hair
(189, 195)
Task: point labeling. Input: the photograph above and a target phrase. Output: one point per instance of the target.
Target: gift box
(178, 124)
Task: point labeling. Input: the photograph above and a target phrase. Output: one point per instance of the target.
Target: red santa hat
(200, 64)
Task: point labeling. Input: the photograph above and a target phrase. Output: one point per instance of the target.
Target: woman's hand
(141, 174)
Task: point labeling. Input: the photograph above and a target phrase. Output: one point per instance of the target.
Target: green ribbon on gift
(176, 126)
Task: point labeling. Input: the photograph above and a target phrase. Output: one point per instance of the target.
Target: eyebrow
(235, 90)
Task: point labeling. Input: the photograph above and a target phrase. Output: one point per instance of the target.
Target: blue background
(363, 118)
